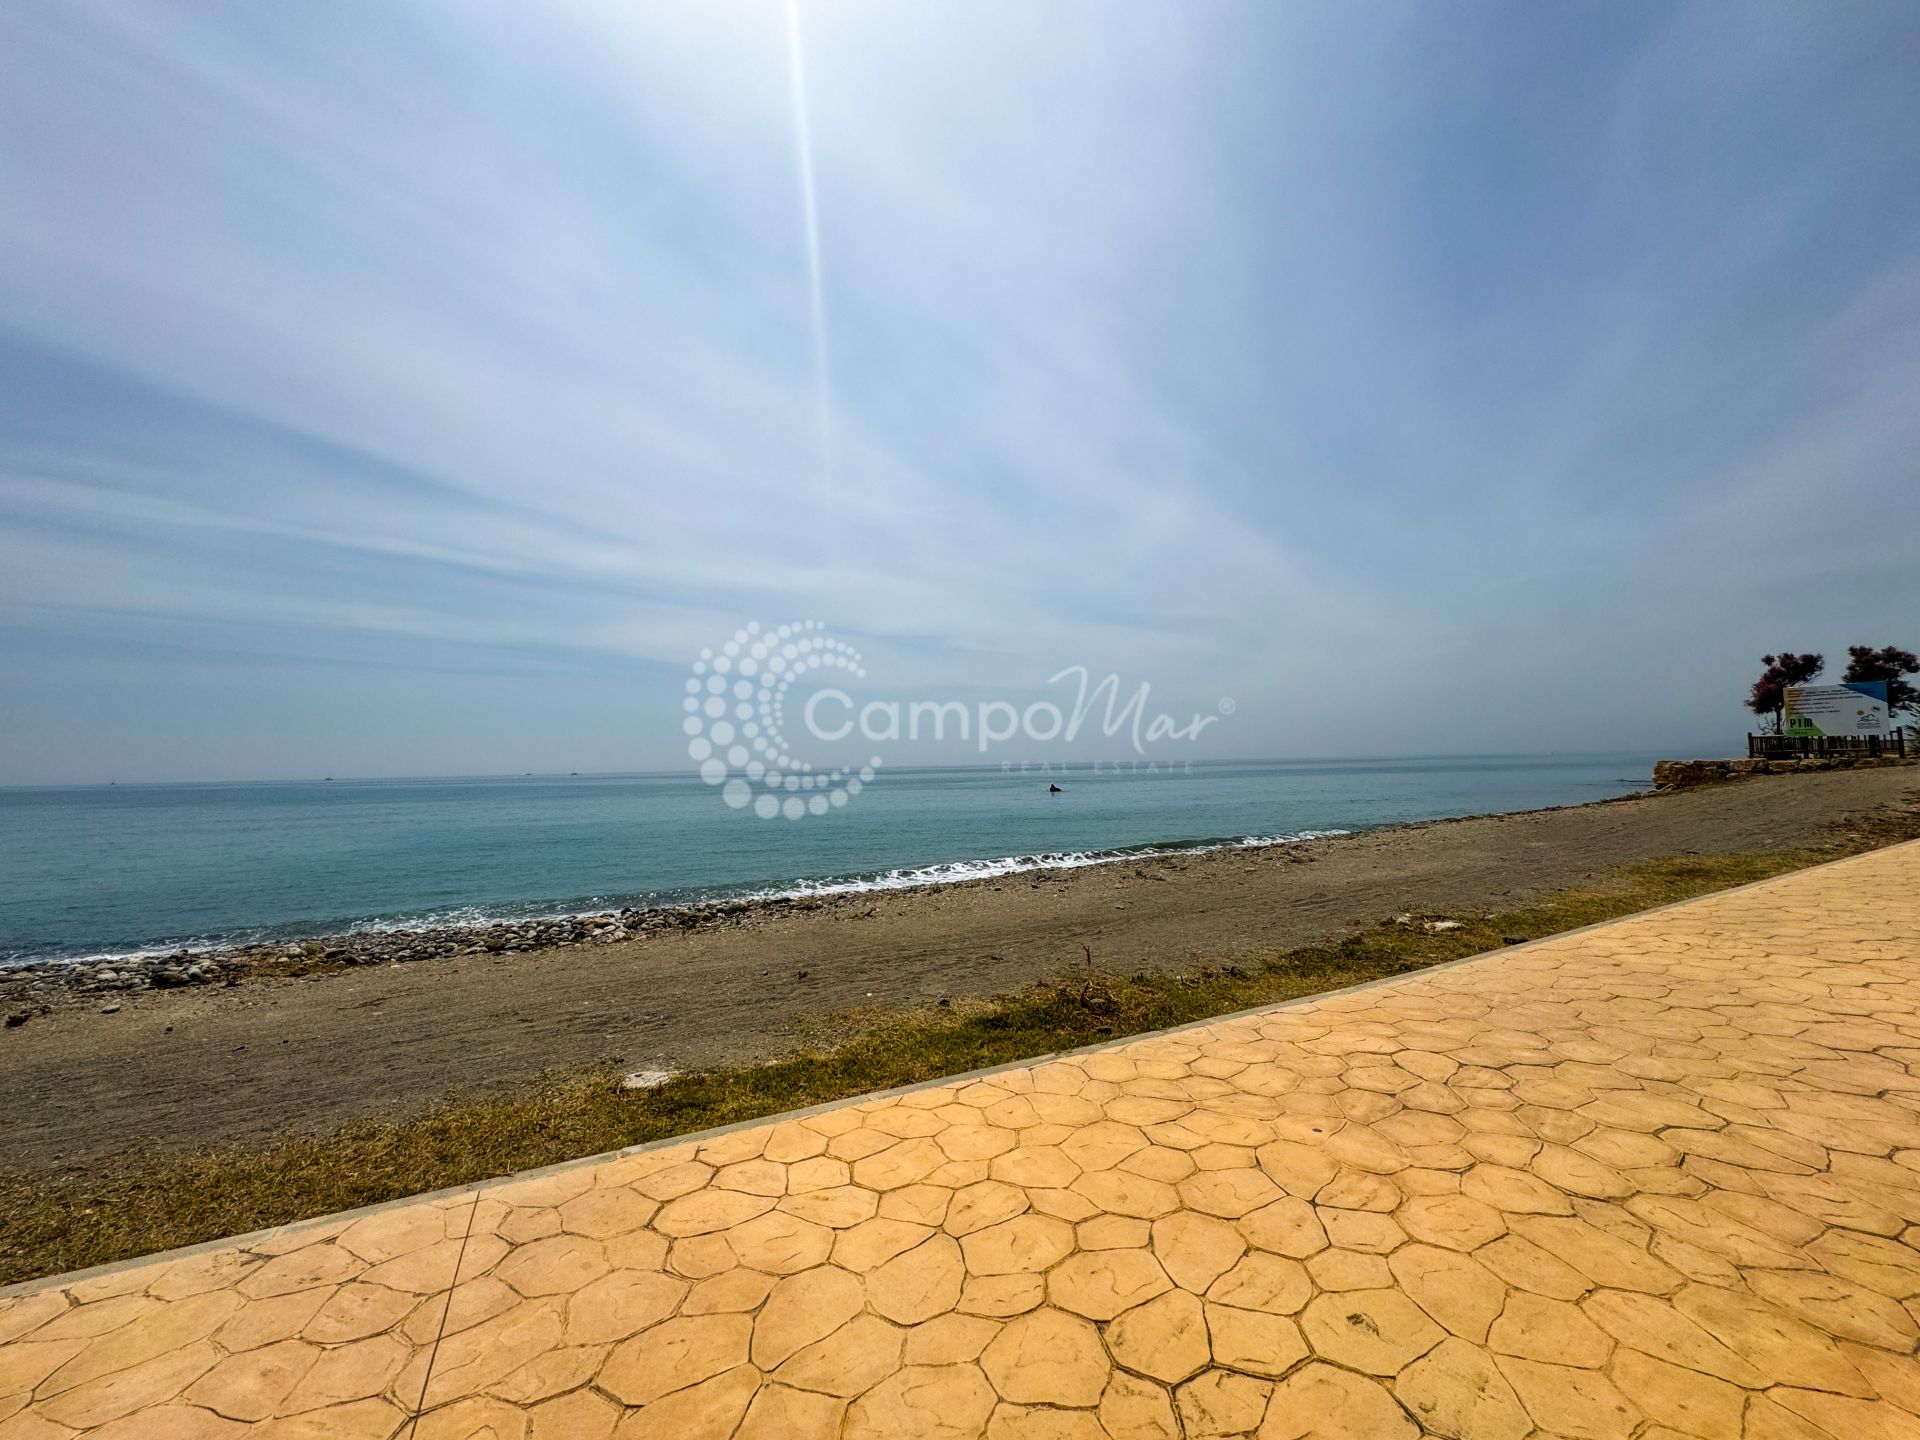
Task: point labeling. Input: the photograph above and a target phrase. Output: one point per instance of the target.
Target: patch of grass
(145, 1203)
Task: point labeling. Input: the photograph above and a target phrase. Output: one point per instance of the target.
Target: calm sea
(87, 870)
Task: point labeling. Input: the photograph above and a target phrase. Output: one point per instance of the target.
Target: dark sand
(186, 1067)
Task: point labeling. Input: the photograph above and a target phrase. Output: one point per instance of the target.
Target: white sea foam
(954, 872)
(959, 871)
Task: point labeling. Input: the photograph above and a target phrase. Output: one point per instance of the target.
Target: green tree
(1893, 665)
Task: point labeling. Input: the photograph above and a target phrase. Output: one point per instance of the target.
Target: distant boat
(1055, 790)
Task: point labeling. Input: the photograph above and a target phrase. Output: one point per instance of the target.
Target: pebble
(178, 969)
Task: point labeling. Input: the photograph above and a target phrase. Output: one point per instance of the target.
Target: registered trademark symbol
(1227, 706)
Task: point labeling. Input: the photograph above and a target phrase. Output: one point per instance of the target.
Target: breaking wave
(956, 872)
(953, 872)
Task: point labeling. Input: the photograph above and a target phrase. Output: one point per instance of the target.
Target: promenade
(1657, 1178)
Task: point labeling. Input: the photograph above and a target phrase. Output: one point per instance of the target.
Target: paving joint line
(440, 1332)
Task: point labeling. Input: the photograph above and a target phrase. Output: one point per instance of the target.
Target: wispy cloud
(1530, 369)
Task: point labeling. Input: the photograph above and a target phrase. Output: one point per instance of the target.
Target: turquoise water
(108, 869)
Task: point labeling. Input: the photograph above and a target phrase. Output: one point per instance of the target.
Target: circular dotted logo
(736, 713)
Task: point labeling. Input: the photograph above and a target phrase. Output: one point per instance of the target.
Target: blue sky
(394, 389)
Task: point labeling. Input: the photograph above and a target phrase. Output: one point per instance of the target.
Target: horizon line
(1034, 765)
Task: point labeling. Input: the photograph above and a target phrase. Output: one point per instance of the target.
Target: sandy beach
(247, 1061)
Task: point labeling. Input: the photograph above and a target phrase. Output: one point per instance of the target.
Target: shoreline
(35, 983)
(30, 983)
(382, 942)
(459, 901)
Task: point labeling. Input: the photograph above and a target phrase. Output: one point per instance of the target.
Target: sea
(87, 871)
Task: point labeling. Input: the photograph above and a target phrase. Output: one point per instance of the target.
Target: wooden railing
(1791, 747)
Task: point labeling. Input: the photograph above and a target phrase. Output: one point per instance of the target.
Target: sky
(401, 389)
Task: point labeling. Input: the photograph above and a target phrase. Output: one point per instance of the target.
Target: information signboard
(1858, 707)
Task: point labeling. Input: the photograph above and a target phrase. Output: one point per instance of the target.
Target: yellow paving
(1656, 1179)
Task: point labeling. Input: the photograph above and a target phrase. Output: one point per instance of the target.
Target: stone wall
(1685, 774)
